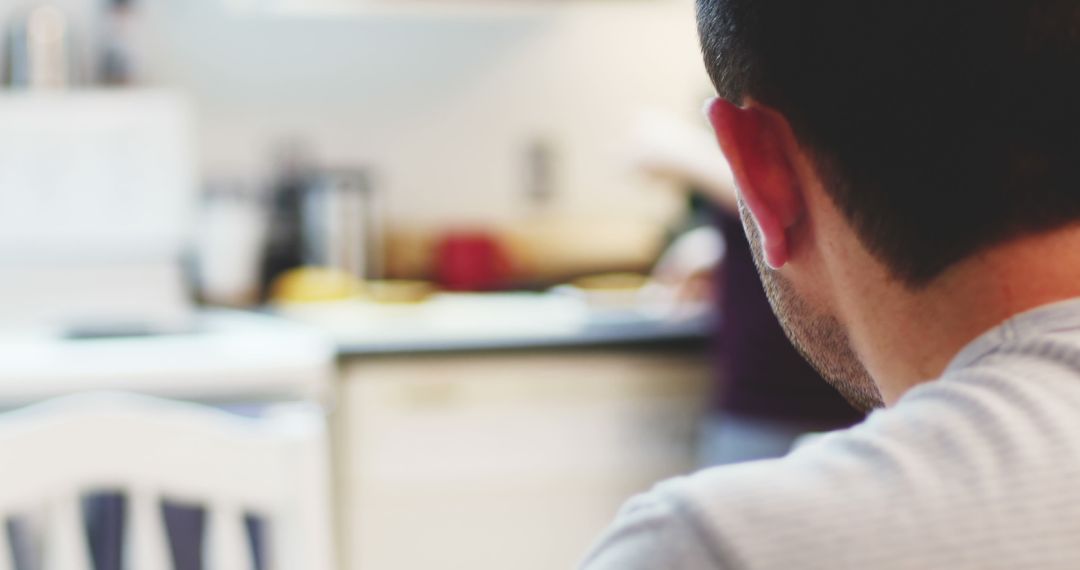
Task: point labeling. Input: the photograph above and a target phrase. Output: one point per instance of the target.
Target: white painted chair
(275, 467)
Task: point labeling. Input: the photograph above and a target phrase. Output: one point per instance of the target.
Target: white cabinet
(505, 459)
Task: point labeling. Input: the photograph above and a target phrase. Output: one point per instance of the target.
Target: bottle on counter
(39, 52)
(117, 65)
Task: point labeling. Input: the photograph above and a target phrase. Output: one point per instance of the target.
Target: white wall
(441, 102)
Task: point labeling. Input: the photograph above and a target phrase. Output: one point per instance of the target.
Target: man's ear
(756, 142)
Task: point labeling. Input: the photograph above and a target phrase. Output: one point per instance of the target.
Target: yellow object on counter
(315, 284)
(611, 282)
(322, 284)
(399, 291)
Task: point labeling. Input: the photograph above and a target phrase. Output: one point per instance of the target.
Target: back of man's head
(941, 126)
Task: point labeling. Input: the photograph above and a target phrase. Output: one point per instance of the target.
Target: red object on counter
(471, 261)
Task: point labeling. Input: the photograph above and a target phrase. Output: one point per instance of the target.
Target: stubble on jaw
(818, 336)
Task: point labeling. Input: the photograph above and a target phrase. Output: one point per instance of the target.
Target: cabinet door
(519, 460)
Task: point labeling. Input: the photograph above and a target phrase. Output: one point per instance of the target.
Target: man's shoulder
(772, 513)
(767, 514)
(804, 511)
(926, 482)
(657, 530)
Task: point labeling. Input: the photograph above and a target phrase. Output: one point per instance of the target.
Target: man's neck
(914, 335)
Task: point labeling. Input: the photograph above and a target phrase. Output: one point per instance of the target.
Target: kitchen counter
(483, 322)
(232, 354)
(224, 356)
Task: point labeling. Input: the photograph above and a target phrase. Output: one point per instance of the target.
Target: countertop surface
(477, 322)
(222, 355)
(233, 355)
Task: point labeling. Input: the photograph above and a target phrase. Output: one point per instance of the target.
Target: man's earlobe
(765, 178)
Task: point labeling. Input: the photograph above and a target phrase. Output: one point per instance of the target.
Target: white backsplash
(443, 106)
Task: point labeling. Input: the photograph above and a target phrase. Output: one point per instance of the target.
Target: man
(909, 175)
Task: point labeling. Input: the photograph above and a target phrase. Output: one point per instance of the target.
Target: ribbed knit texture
(978, 470)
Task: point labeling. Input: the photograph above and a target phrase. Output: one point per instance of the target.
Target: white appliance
(97, 191)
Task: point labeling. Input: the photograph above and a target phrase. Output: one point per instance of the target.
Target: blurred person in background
(765, 396)
(907, 177)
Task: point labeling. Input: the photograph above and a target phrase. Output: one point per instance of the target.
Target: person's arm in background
(683, 279)
(668, 148)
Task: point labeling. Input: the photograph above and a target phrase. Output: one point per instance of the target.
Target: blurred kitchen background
(426, 231)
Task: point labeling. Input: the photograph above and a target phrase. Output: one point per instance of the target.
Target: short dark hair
(942, 127)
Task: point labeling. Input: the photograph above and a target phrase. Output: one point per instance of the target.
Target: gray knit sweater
(979, 470)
